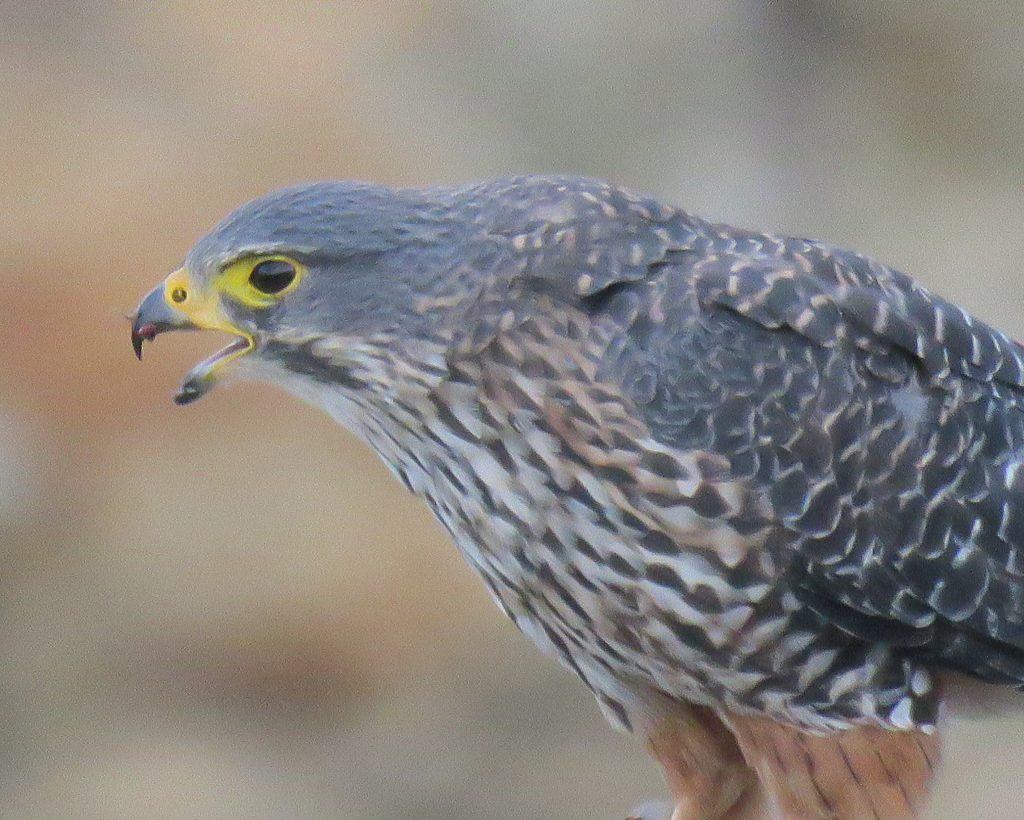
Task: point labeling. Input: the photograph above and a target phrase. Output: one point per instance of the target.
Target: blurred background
(231, 609)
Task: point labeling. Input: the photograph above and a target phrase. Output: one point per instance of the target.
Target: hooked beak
(176, 305)
(155, 316)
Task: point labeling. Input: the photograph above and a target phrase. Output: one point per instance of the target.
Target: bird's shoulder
(655, 268)
(840, 298)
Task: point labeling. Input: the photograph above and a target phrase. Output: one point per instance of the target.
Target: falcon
(762, 495)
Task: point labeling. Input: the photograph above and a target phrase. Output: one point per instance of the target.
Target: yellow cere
(234, 281)
(201, 306)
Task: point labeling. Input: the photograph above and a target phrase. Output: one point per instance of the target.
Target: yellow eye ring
(260, 281)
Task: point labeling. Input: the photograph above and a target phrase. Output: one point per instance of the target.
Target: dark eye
(272, 275)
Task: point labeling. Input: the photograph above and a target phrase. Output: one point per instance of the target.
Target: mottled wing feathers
(833, 296)
(875, 432)
(899, 472)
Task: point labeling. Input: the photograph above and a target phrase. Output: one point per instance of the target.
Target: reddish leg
(705, 769)
(865, 772)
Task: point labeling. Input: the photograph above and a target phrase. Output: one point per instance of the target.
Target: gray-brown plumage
(756, 492)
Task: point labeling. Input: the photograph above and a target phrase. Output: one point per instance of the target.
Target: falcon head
(352, 266)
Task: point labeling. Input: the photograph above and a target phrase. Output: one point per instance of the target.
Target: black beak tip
(140, 334)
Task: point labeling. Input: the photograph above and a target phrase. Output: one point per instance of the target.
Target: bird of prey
(762, 495)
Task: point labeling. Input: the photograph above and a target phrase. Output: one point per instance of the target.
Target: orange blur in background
(231, 609)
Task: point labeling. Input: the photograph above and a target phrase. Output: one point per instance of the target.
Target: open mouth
(203, 376)
(159, 312)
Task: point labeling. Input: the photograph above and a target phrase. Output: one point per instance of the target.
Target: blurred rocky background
(230, 609)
